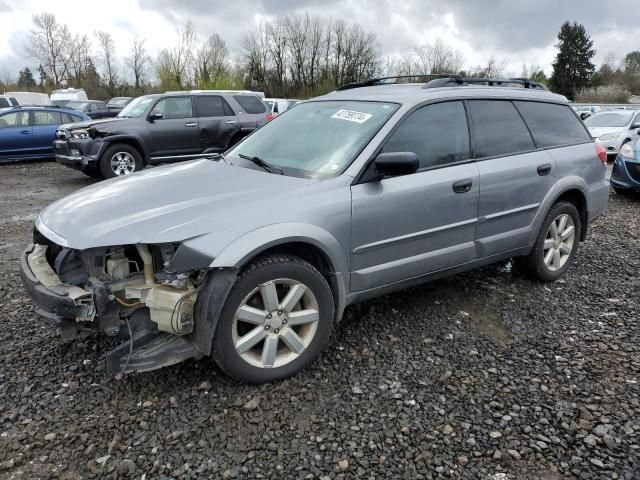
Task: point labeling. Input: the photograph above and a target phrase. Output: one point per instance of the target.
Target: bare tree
(211, 60)
(107, 56)
(494, 68)
(137, 61)
(175, 65)
(50, 43)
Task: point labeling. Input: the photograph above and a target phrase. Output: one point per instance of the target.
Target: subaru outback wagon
(252, 256)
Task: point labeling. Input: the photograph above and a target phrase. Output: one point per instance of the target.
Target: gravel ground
(483, 375)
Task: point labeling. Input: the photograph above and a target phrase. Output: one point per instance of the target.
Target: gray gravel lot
(483, 375)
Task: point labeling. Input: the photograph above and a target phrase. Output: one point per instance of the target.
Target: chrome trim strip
(412, 236)
(508, 212)
(211, 154)
(69, 157)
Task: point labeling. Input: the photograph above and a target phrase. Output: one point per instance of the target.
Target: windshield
(77, 105)
(120, 102)
(612, 119)
(136, 108)
(316, 139)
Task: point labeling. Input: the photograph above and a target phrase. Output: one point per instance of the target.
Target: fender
(563, 185)
(127, 139)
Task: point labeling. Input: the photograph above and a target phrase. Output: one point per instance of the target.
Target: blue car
(29, 132)
(626, 170)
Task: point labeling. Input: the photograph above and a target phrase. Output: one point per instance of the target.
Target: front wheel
(276, 321)
(120, 160)
(556, 245)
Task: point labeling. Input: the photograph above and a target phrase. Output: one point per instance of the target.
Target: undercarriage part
(150, 351)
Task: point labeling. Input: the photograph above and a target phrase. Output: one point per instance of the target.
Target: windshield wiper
(261, 163)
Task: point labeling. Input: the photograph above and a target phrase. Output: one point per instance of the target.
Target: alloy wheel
(275, 323)
(558, 243)
(123, 163)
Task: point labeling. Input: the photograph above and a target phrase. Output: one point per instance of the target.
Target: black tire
(621, 191)
(263, 270)
(533, 265)
(105, 160)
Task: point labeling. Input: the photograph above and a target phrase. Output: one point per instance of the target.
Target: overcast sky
(515, 31)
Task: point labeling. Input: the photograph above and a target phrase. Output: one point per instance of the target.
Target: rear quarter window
(250, 103)
(552, 125)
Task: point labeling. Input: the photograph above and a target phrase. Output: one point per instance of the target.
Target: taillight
(602, 153)
(269, 117)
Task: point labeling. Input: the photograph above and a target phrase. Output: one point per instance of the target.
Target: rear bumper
(598, 199)
(56, 302)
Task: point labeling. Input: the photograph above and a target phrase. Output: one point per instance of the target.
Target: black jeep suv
(157, 129)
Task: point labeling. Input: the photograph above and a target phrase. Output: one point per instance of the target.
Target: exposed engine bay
(122, 290)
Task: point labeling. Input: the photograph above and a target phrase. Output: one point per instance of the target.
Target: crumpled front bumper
(56, 302)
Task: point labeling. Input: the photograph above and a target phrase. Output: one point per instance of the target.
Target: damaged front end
(125, 291)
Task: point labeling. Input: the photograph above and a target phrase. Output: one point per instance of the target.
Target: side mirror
(396, 163)
(634, 126)
(155, 116)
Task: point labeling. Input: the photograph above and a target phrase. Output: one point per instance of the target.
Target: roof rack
(447, 80)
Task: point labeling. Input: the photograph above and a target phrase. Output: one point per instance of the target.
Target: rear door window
(250, 103)
(46, 118)
(437, 134)
(552, 125)
(211, 106)
(498, 129)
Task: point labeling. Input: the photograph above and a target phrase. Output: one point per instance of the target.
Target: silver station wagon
(252, 256)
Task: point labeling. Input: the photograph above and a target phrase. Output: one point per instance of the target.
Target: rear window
(250, 103)
(552, 125)
(498, 129)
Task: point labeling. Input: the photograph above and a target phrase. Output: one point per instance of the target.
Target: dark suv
(159, 128)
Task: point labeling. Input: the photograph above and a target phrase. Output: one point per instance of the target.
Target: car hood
(105, 124)
(175, 203)
(599, 131)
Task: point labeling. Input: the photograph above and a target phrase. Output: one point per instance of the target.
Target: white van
(8, 101)
(30, 98)
(64, 95)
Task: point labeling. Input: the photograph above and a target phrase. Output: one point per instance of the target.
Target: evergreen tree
(572, 68)
(26, 80)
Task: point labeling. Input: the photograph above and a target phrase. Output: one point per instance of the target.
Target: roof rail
(447, 80)
(381, 81)
(457, 80)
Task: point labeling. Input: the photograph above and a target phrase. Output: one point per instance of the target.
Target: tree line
(296, 56)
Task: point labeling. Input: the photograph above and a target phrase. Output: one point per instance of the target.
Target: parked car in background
(279, 105)
(29, 132)
(64, 95)
(253, 258)
(31, 98)
(116, 104)
(7, 101)
(93, 108)
(585, 111)
(160, 128)
(625, 176)
(614, 128)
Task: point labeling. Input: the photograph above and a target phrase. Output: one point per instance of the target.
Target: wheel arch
(133, 141)
(579, 200)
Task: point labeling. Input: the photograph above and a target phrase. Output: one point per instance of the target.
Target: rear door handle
(462, 186)
(26, 132)
(230, 122)
(544, 169)
(191, 124)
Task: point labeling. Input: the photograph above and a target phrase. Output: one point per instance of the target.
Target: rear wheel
(556, 245)
(276, 321)
(120, 160)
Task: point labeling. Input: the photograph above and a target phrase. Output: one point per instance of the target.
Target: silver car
(252, 256)
(614, 128)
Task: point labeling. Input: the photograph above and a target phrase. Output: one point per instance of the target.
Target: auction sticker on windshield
(352, 116)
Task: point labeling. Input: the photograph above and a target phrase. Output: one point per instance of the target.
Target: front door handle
(191, 124)
(230, 122)
(462, 186)
(544, 169)
(26, 132)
